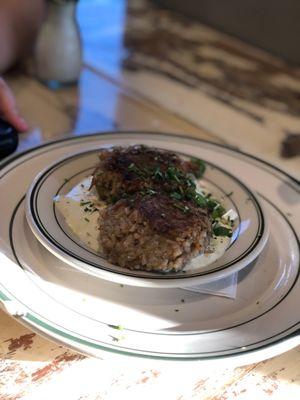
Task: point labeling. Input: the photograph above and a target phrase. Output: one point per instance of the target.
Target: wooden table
(149, 69)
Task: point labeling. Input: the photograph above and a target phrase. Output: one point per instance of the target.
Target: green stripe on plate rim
(41, 326)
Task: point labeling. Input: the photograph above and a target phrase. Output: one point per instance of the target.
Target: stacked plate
(65, 290)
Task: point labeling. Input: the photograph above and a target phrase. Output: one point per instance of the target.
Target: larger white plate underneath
(98, 317)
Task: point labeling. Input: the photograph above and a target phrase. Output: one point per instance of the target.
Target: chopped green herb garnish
(173, 174)
(84, 203)
(176, 196)
(133, 168)
(178, 184)
(191, 183)
(219, 230)
(118, 327)
(200, 200)
(86, 219)
(218, 211)
(201, 167)
(116, 339)
(157, 174)
(151, 191)
(212, 204)
(148, 192)
(182, 207)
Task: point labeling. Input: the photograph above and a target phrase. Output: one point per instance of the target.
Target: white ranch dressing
(84, 222)
(77, 216)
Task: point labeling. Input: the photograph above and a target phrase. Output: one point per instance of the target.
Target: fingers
(8, 108)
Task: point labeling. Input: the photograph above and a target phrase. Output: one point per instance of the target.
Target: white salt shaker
(57, 55)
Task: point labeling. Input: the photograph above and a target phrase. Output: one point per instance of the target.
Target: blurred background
(223, 71)
(271, 25)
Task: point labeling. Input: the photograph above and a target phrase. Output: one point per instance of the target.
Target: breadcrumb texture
(144, 227)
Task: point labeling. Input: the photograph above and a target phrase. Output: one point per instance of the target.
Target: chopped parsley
(148, 192)
(182, 207)
(218, 211)
(133, 168)
(157, 174)
(201, 167)
(118, 327)
(84, 203)
(88, 206)
(176, 196)
(116, 339)
(220, 230)
(180, 186)
(200, 200)
(173, 174)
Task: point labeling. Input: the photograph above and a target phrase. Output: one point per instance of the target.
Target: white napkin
(224, 287)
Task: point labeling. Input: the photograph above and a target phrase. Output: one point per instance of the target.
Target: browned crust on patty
(148, 224)
(128, 170)
(164, 217)
(138, 237)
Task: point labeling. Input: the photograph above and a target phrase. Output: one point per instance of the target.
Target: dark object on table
(8, 139)
(272, 25)
(290, 146)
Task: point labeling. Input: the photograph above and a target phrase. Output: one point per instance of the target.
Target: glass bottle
(57, 55)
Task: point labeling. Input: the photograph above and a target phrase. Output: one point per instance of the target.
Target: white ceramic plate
(162, 325)
(249, 233)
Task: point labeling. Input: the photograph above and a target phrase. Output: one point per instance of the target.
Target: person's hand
(8, 108)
